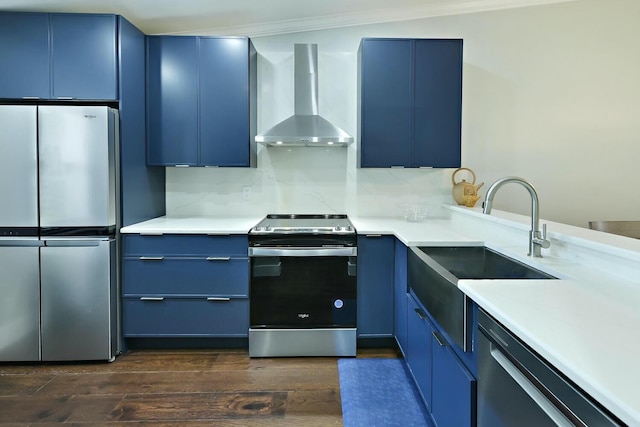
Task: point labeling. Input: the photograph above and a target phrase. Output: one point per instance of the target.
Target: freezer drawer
(78, 305)
(20, 303)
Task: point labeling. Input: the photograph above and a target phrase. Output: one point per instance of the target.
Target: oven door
(303, 302)
(304, 287)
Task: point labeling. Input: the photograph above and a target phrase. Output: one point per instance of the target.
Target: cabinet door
(172, 101)
(375, 286)
(83, 56)
(400, 319)
(419, 348)
(224, 101)
(385, 103)
(24, 55)
(437, 103)
(453, 397)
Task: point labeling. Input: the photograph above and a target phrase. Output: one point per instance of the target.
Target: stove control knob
(347, 228)
(266, 228)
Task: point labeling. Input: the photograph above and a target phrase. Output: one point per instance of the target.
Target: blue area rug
(379, 392)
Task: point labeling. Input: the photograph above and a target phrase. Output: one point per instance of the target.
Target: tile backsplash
(305, 180)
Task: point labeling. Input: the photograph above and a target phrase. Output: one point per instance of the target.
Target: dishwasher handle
(528, 387)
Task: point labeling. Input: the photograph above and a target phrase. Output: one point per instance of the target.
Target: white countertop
(585, 324)
(193, 225)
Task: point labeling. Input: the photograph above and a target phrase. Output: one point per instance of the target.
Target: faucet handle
(542, 241)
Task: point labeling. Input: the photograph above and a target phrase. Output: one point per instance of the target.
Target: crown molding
(378, 16)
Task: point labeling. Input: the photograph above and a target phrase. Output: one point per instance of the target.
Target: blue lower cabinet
(447, 386)
(400, 290)
(419, 344)
(185, 286)
(375, 286)
(185, 317)
(179, 276)
(185, 245)
(453, 398)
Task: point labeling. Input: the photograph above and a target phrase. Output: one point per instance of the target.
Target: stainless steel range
(303, 286)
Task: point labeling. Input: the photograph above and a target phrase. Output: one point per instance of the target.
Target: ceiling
(262, 17)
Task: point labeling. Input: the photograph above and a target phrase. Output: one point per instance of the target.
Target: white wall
(551, 93)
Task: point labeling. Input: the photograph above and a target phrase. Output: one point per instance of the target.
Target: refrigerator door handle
(23, 243)
(74, 243)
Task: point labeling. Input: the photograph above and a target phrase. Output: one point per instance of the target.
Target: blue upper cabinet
(201, 101)
(83, 56)
(225, 131)
(385, 103)
(172, 93)
(58, 56)
(437, 104)
(410, 102)
(24, 55)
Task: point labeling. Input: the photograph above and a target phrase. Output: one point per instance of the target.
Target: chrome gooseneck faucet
(537, 241)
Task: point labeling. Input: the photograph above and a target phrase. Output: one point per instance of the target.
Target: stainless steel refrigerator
(58, 224)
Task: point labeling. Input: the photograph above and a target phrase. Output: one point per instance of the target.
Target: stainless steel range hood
(306, 127)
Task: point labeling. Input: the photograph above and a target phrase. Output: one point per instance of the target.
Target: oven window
(303, 292)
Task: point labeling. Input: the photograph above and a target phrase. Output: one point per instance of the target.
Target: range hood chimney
(306, 127)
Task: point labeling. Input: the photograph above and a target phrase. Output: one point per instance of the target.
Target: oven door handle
(303, 252)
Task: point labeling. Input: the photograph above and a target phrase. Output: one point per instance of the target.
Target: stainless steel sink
(479, 262)
(433, 274)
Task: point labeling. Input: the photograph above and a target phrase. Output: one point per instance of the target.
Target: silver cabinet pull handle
(420, 313)
(440, 339)
(303, 251)
(218, 299)
(151, 299)
(151, 258)
(218, 258)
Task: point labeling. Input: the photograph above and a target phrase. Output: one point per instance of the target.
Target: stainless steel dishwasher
(516, 387)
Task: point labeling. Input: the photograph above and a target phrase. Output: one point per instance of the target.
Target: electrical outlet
(246, 192)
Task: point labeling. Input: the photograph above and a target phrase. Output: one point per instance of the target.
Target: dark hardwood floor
(176, 387)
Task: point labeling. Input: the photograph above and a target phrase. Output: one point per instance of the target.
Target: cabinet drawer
(193, 317)
(184, 275)
(185, 245)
